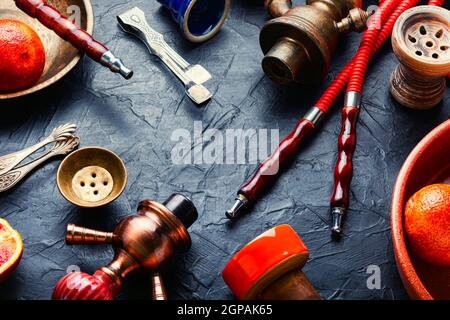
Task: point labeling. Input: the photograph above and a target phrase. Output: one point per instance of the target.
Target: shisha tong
(134, 22)
(10, 174)
(146, 240)
(80, 39)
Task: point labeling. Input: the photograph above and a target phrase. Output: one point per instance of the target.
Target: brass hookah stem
(159, 291)
(80, 235)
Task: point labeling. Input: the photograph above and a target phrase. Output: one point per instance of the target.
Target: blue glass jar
(199, 20)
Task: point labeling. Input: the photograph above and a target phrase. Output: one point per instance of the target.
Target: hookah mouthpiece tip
(116, 65)
(237, 208)
(337, 215)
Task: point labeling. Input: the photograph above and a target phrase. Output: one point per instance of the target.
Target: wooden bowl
(428, 163)
(91, 177)
(60, 56)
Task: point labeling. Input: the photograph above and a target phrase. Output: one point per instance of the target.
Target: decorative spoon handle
(62, 147)
(8, 162)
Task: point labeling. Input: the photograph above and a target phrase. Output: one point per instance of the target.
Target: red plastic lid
(273, 253)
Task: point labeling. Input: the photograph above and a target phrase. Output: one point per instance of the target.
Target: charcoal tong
(134, 22)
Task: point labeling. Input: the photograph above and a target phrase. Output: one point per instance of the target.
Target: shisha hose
(267, 172)
(343, 170)
(51, 18)
(438, 3)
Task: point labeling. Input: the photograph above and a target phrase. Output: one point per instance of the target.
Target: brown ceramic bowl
(428, 163)
(60, 56)
(91, 177)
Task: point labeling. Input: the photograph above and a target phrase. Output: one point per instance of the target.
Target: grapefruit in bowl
(427, 224)
(22, 57)
(427, 164)
(11, 249)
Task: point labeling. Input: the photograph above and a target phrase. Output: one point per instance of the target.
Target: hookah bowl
(146, 240)
(299, 42)
(421, 42)
(199, 20)
(269, 268)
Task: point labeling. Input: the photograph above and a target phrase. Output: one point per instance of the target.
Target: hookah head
(421, 42)
(146, 240)
(199, 20)
(299, 42)
(269, 268)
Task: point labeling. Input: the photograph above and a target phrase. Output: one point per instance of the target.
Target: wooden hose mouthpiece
(421, 42)
(148, 240)
(50, 17)
(269, 268)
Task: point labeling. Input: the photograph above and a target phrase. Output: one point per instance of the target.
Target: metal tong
(65, 142)
(193, 76)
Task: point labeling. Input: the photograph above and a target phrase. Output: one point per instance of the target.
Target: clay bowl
(91, 177)
(61, 56)
(428, 163)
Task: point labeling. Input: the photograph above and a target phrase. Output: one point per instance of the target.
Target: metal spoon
(9, 161)
(62, 147)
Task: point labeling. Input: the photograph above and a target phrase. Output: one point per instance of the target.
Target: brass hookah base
(299, 42)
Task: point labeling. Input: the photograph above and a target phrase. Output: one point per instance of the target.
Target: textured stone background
(136, 119)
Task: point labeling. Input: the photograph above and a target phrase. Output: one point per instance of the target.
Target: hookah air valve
(269, 268)
(146, 240)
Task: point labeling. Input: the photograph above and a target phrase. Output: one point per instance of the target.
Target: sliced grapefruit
(11, 248)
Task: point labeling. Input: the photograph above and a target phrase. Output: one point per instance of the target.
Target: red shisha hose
(267, 171)
(438, 3)
(343, 170)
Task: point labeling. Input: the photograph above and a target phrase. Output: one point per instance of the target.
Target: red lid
(264, 259)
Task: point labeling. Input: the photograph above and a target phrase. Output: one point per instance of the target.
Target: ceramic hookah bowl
(146, 240)
(421, 42)
(199, 20)
(269, 268)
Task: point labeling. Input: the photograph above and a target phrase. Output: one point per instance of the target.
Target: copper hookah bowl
(146, 240)
(299, 42)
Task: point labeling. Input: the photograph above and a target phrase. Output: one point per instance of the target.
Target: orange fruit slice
(11, 249)
(22, 56)
(427, 224)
